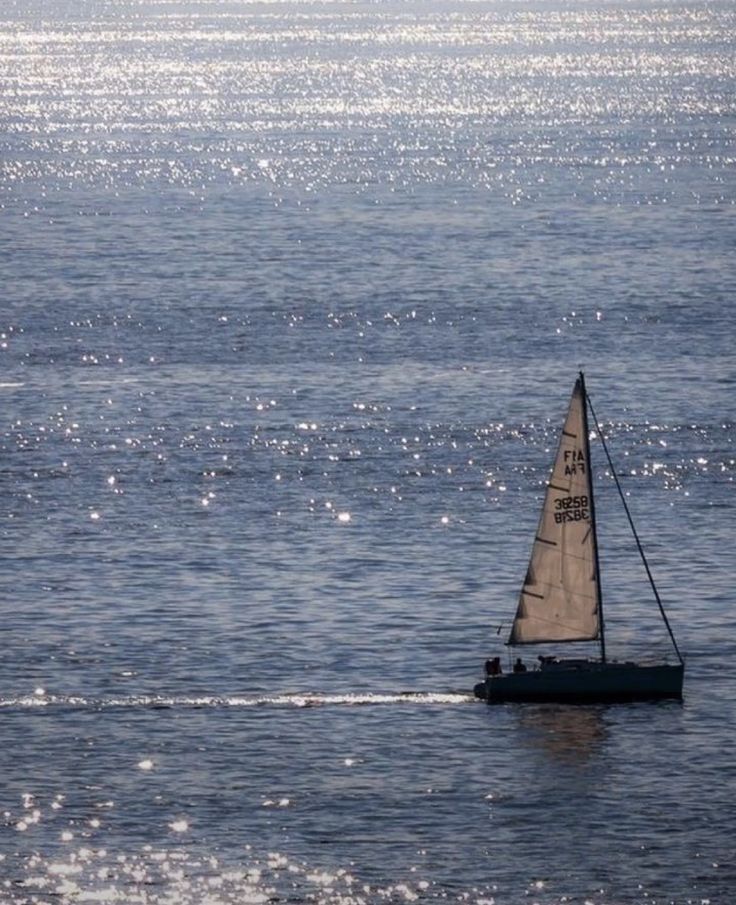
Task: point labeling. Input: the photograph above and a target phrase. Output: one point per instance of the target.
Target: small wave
(298, 700)
(108, 381)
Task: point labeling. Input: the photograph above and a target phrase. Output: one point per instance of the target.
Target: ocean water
(293, 298)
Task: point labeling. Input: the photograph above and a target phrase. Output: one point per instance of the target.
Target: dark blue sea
(293, 294)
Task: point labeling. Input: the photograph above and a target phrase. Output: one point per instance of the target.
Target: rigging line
(636, 536)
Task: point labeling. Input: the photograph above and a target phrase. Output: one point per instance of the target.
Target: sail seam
(568, 555)
(575, 640)
(555, 622)
(556, 587)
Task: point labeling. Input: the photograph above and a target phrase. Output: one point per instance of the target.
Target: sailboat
(561, 600)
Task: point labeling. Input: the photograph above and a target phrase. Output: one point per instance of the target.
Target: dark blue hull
(585, 682)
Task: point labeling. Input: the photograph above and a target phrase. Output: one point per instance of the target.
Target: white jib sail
(559, 599)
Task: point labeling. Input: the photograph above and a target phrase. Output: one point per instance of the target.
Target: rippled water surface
(294, 295)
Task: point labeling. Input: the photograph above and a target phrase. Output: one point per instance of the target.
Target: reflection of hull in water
(585, 682)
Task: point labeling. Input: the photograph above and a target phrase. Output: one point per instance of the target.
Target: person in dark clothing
(493, 667)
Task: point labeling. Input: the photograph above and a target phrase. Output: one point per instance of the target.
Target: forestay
(560, 597)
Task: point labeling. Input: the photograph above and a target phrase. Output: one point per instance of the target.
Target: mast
(636, 538)
(593, 527)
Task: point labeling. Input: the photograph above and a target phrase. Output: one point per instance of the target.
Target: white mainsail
(560, 597)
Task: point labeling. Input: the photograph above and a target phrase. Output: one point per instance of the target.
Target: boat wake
(289, 700)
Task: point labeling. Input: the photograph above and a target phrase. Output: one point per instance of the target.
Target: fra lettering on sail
(574, 462)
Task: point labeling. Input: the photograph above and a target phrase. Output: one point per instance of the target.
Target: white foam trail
(281, 700)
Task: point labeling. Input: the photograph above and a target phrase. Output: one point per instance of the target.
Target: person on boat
(519, 666)
(493, 667)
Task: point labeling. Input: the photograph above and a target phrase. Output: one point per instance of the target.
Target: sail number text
(571, 509)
